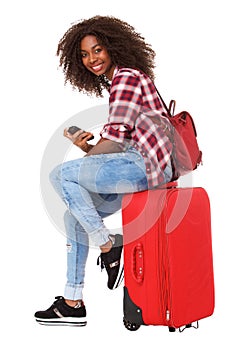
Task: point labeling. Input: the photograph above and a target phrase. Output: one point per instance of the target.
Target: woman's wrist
(85, 147)
(88, 148)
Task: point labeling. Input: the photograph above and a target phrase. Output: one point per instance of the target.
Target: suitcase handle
(138, 263)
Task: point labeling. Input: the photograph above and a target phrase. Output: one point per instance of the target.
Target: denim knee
(68, 217)
(55, 174)
(55, 179)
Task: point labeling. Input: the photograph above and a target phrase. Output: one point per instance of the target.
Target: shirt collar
(116, 69)
(115, 72)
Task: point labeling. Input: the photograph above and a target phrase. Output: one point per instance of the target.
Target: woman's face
(95, 57)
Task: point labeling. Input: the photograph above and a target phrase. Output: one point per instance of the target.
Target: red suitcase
(168, 265)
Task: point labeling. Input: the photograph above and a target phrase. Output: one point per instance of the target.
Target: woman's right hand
(80, 139)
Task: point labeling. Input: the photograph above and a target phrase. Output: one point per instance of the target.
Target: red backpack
(186, 153)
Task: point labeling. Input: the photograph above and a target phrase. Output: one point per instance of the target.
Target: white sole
(120, 277)
(63, 321)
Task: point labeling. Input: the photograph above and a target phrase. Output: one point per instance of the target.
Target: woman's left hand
(80, 139)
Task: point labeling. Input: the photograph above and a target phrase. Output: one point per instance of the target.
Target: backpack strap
(172, 106)
(171, 109)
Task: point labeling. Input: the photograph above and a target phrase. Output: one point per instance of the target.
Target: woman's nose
(92, 58)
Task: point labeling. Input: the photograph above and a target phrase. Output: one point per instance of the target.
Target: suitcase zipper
(166, 297)
(163, 265)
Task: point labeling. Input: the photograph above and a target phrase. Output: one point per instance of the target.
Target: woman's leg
(78, 244)
(70, 309)
(77, 252)
(76, 180)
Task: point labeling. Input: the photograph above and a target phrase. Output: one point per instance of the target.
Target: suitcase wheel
(131, 326)
(171, 329)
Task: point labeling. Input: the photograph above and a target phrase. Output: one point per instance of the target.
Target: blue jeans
(92, 188)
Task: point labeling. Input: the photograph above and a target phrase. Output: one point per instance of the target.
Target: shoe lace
(58, 298)
(100, 262)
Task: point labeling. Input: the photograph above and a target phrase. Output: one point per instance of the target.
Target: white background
(193, 42)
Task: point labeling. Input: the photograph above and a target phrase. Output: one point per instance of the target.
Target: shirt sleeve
(124, 106)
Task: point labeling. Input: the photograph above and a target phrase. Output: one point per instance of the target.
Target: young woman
(133, 153)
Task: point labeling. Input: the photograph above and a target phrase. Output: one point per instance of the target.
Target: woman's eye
(85, 54)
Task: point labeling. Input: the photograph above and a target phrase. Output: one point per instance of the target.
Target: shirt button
(148, 170)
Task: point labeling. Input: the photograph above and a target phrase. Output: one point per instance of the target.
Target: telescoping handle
(138, 263)
(171, 184)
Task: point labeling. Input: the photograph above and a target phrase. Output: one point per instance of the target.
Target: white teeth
(97, 67)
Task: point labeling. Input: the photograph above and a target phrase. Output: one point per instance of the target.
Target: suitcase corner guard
(132, 313)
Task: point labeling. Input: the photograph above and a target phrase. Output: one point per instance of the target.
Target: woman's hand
(80, 139)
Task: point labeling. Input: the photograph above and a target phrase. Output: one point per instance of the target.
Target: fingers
(83, 138)
(79, 138)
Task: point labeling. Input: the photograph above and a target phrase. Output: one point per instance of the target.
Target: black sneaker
(112, 262)
(61, 314)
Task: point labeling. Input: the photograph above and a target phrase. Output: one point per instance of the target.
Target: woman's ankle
(73, 303)
(105, 248)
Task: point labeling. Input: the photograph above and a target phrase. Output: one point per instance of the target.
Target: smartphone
(73, 129)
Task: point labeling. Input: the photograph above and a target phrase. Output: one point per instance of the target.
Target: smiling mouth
(97, 68)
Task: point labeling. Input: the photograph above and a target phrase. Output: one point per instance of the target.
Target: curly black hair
(125, 46)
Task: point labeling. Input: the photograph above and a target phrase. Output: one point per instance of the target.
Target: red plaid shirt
(135, 112)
